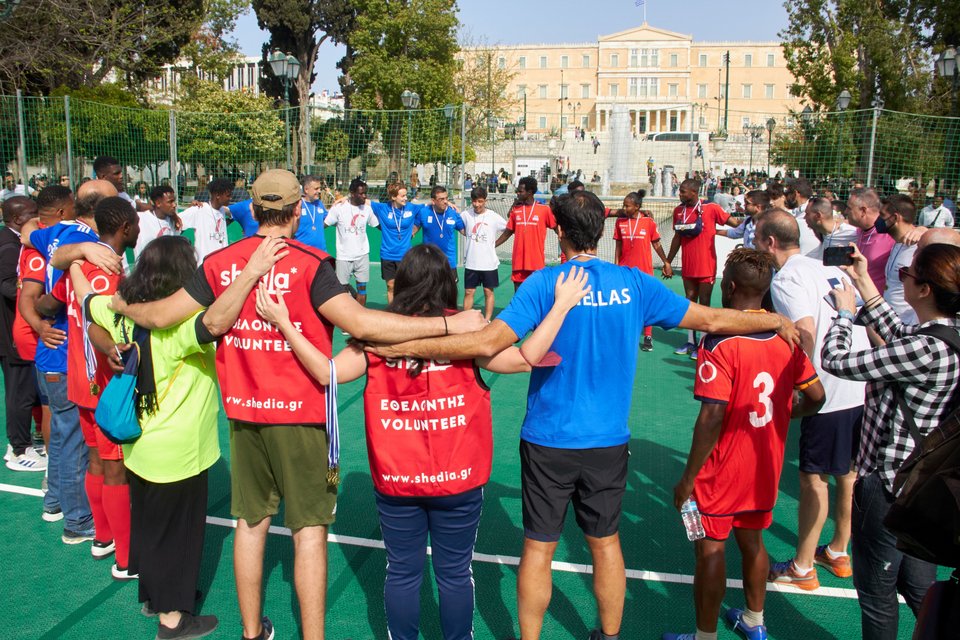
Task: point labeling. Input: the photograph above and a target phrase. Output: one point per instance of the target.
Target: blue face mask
(881, 226)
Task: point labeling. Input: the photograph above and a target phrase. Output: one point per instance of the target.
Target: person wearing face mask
(897, 214)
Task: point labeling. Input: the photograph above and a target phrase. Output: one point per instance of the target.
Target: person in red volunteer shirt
(278, 412)
(636, 237)
(695, 228)
(528, 221)
(429, 438)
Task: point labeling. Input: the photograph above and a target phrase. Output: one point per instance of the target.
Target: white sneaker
(29, 460)
(9, 454)
(122, 575)
(100, 550)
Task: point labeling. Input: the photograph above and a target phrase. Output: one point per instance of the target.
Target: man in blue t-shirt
(576, 450)
(312, 215)
(440, 223)
(242, 213)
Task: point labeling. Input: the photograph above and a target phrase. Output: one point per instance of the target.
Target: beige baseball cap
(275, 189)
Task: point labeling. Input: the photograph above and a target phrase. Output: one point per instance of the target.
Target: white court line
(568, 567)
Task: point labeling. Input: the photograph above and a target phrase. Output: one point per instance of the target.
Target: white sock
(800, 569)
(752, 618)
(706, 635)
(692, 337)
(833, 555)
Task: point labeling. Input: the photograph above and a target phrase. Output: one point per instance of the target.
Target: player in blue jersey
(577, 452)
(440, 223)
(398, 225)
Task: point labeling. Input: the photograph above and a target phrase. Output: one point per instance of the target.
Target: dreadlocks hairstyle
(750, 269)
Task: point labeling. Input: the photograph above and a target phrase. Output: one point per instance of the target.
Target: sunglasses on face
(904, 273)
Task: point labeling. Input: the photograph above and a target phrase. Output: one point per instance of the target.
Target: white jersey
(841, 236)
(210, 228)
(151, 228)
(798, 291)
(352, 222)
(482, 231)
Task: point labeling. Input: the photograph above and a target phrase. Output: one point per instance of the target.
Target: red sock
(116, 502)
(648, 332)
(94, 487)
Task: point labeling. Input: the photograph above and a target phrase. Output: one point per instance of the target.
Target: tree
(403, 45)
(224, 130)
(483, 84)
(211, 48)
(82, 43)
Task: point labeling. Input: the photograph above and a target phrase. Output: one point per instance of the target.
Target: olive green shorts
(270, 462)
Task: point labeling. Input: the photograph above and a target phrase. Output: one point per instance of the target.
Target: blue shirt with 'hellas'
(584, 402)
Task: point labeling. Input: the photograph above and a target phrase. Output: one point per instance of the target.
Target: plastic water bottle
(691, 520)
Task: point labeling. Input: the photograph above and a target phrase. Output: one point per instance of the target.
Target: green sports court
(53, 591)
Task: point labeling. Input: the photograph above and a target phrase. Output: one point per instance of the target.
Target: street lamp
(411, 101)
(286, 69)
(771, 125)
(448, 112)
(755, 132)
(573, 107)
(948, 66)
(843, 101)
(492, 123)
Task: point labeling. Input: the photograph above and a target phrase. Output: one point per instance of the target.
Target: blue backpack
(116, 413)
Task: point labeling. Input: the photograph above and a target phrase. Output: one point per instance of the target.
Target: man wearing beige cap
(278, 413)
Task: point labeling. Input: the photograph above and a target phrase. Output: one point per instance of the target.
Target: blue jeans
(452, 523)
(880, 570)
(67, 456)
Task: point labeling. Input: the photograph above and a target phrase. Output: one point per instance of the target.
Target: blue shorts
(827, 441)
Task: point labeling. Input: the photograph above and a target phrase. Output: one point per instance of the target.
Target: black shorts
(488, 279)
(594, 479)
(827, 441)
(388, 269)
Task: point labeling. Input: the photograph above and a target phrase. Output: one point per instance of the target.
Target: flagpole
(644, 12)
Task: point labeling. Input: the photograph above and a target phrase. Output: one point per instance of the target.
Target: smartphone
(836, 284)
(838, 256)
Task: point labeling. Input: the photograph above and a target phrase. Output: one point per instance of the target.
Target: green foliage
(223, 129)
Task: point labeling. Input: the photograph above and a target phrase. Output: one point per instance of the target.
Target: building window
(584, 121)
(672, 90)
(521, 91)
(564, 62)
(614, 60)
(674, 60)
(614, 90)
(748, 59)
(522, 62)
(542, 91)
(632, 89)
(747, 90)
(701, 91)
(654, 58)
(723, 91)
(771, 60)
(745, 121)
(633, 58)
(585, 62)
(647, 87)
(543, 122)
(585, 91)
(768, 91)
(703, 120)
(563, 122)
(501, 63)
(703, 59)
(563, 92)
(543, 62)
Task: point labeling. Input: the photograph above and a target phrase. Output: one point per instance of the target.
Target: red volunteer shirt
(754, 376)
(32, 268)
(429, 435)
(637, 236)
(529, 224)
(699, 254)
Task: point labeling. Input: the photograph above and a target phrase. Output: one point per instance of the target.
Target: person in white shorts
(207, 219)
(352, 216)
(481, 227)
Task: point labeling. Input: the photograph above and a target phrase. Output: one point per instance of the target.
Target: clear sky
(536, 21)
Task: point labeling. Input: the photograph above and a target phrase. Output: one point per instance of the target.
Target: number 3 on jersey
(764, 382)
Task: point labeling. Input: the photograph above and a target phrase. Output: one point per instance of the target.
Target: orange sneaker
(786, 573)
(839, 567)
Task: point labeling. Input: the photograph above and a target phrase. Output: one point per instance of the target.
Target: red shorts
(701, 279)
(95, 438)
(718, 527)
(520, 276)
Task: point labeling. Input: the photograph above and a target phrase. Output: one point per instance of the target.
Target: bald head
(941, 235)
(89, 195)
(17, 210)
(781, 225)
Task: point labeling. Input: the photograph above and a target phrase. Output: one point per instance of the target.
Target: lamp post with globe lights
(410, 101)
(843, 101)
(286, 69)
(771, 125)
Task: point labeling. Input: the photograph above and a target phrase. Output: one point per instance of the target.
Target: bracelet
(869, 304)
(843, 313)
(446, 329)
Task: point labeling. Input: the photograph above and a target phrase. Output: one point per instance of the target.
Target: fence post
(873, 143)
(22, 147)
(463, 152)
(66, 118)
(307, 161)
(174, 170)
(690, 159)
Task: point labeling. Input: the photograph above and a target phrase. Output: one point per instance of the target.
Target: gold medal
(94, 389)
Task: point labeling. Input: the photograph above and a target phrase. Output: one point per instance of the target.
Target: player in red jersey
(529, 221)
(746, 388)
(695, 226)
(635, 235)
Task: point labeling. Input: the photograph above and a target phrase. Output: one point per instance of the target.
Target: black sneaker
(266, 631)
(190, 626)
(647, 344)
